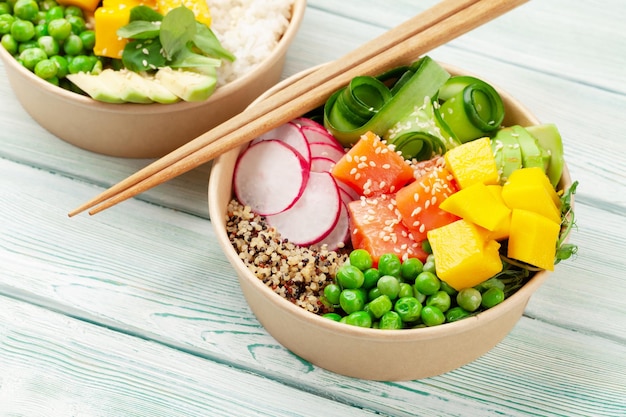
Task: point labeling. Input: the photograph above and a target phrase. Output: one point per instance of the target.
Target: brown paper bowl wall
(389, 355)
(142, 130)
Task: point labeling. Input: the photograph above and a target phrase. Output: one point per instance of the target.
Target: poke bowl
(274, 266)
(257, 38)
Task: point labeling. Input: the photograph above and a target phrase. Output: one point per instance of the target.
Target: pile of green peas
(48, 39)
(402, 294)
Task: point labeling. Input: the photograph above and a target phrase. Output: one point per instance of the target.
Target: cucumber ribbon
(370, 105)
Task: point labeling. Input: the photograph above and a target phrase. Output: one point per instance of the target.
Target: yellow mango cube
(527, 189)
(464, 254)
(473, 162)
(533, 239)
(478, 205)
(199, 8)
(107, 22)
(502, 230)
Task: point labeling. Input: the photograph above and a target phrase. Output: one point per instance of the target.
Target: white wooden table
(136, 312)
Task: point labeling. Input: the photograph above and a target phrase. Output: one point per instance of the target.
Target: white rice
(250, 29)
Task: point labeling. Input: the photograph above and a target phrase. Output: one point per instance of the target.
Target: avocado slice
(128, 88)
(550, 140)
(507, 152)
(532, 155)
(96, 87)
(188, 85)
(147, 89)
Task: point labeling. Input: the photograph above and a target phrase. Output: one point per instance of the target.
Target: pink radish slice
(291, 134)
(349, 191)
(341, 232)
(270, 176)
(305, 121)
(346, 197)
(316, 135)
(325, 150)
(314, 215)
(322, 164)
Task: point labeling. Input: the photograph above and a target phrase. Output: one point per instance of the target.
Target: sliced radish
(341, 232)
(322, 164)
(325, 150)
(270, 176)
(305, 121)
(349, 191)
(314, 215)
(317, 135)
(291, 134)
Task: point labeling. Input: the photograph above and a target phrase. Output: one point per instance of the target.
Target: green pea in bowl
(368, 353)
(143, 130)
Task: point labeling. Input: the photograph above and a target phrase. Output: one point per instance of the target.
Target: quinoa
(298, 274)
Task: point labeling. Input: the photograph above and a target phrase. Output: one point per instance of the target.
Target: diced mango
(502, 230)
(199, 8)
(107, 22)
(533, 239)
(478, 205)
(473, 162)
(464, 254)
(86, 5)
(530, 189)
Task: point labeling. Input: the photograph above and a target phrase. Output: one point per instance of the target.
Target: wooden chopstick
(443, 22)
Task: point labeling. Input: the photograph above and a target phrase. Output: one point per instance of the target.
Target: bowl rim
(297, 15)
(243, 272)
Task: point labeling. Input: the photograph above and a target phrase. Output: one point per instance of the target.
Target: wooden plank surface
(136, 311)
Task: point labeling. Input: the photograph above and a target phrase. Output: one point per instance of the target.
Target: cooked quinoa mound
(299, 274)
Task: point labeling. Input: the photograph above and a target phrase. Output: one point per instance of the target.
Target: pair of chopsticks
(434, 27)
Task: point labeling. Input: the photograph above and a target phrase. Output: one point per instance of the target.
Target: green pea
(54, 80)
(426, 246)
(389, 264)
(427, 283)
(411, 268)
(60, 29)
(429, 265)
(41, 30)
(492, 297)
(332, 316)
(373, 293)
(40, 19)
(389, 285)
(61, 64)
(73, 45)
(31, 56)
(56, 12)
(440, 299)
(89, 39)
(23, 30)
(27, 45)
(351, 300)
(49, 45)
(6, 21)
(448, 289)
(361, 259)
(420, 297)
(359, 318)
(409, 309)
(349, 276)
(432, 316)
(456, 313)
(469, 299)
(45, 69)
(332, 293)
(371, 276)
(74, 11)
(26, 9)
(5, 8)
(47, 4)
(9, 43)
(78, 23)
(80, 63)
(406, 290)
(390, 321)
(379, 306)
